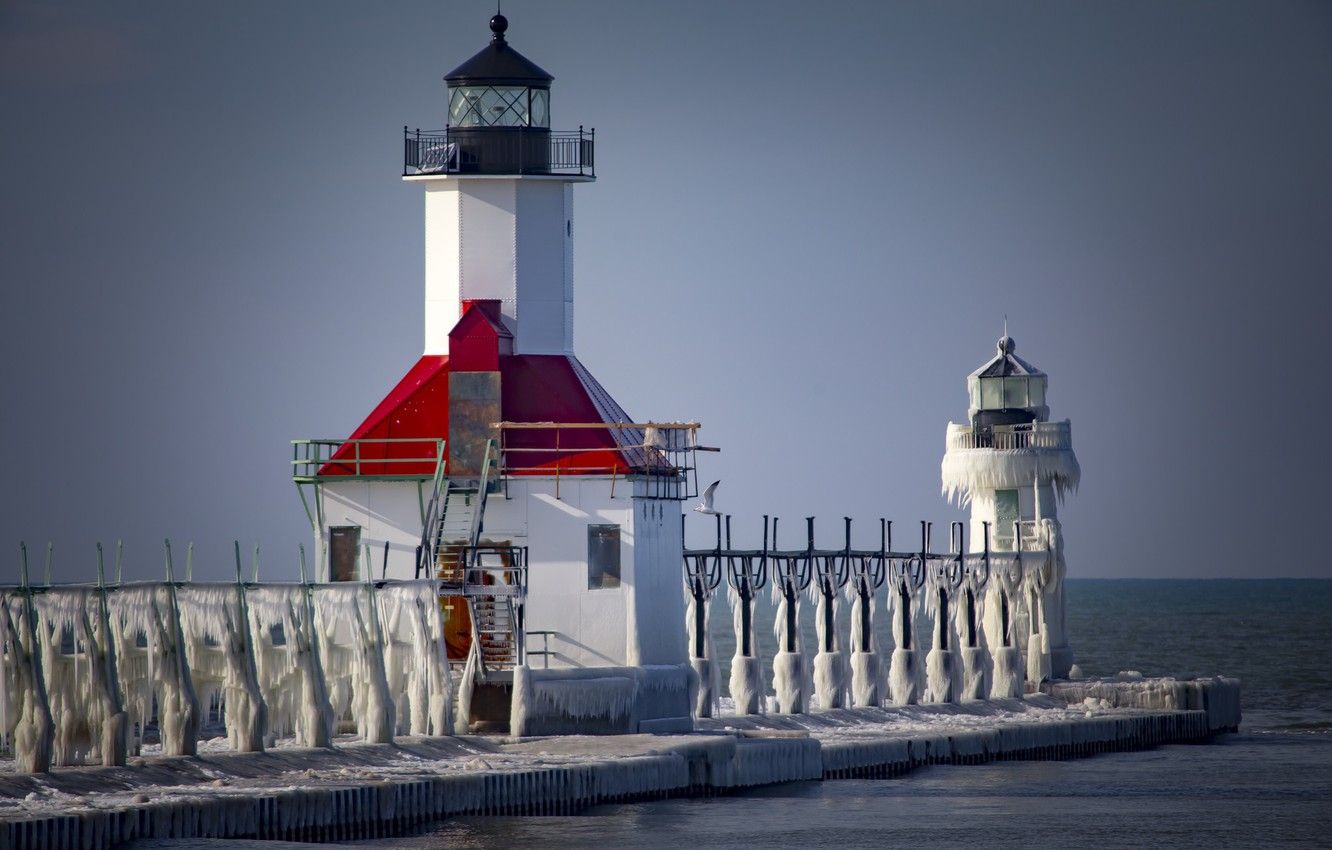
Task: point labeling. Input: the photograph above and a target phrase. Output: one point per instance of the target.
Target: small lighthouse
(1013, 466)
(498, 466)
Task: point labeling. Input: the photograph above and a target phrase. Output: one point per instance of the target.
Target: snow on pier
(362, 790)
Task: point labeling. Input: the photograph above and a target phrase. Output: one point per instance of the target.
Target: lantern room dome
(1007, 390)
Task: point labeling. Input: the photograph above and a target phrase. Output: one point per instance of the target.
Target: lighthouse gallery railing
(1053, 436)
(516, 150)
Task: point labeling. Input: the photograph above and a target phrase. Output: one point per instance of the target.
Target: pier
(357, 791)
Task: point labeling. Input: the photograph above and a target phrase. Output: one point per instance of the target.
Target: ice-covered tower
(551, 517)
(1013, 466)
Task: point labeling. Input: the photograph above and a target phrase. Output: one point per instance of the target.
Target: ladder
(494, 604)
(494, 618)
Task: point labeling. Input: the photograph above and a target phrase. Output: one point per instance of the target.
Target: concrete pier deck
(361, 791)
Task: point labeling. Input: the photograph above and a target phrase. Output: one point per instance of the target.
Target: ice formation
(939, 668)
(1000, 628)
(87, 672)
(27, 721)
(746, 688)
(904, 669)
(964, 471)
(866, 685)
(830, 667)
(702, 657)
(351, 647)
(788, 665)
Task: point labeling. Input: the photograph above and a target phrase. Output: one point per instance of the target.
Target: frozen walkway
(360, 791)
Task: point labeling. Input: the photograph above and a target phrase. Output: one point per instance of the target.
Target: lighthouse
(498, 466)
(1013, 466)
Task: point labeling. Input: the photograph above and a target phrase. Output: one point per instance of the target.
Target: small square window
(603, 556)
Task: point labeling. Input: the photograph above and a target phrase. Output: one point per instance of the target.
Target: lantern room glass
(499, 106)
(1008, 393)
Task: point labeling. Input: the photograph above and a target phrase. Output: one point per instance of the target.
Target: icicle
(904, 673)
(1006, 679)
(178, 713)
(376, 721)
(704, 680)
(939, 668)
(744, 684)
(34, 731)
(789, 673)
(102, 657)
(462, 720)
(830, 666)
(521, 703)
(247, 715)
(865, 668)
(314, 720)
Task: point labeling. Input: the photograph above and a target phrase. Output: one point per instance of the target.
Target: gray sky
(809, 221)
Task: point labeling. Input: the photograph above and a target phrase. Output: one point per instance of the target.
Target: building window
(603, 556)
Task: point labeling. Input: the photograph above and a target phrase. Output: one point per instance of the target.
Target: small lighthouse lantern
(1007, 390)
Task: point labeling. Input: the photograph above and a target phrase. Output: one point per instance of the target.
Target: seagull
(705, 506)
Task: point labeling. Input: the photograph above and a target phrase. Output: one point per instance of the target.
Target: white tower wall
(504, 238)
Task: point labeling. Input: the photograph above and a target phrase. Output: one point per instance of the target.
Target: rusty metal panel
(474, 406)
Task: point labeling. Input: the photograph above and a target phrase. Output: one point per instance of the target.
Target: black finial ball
(498, 25)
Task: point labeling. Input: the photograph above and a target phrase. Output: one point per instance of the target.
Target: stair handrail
(483, 485)
(428, 551)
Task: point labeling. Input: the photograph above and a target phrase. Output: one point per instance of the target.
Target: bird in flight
(705, 506)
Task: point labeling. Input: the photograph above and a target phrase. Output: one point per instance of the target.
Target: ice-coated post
(314, 727)
(115, 723)
(178, 707)
(247, 714)
(34, 734)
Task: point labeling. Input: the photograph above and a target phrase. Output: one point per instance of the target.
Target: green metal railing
(366, 458)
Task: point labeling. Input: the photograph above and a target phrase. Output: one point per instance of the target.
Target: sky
(809, 223)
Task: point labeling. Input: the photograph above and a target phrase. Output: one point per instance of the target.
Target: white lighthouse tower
(1013, 466)
(498, 465)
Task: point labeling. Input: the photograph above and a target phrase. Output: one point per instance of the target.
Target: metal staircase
(492, 579)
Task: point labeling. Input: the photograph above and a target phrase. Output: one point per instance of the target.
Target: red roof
(533, 388)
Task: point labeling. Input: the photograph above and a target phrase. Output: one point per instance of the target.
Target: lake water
(1271, 783)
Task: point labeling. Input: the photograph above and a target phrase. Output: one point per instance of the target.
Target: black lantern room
(499, 109)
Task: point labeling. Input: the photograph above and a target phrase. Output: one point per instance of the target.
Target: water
(1270, 783)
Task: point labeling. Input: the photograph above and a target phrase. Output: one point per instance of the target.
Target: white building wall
(385, 511)
(545, 229)
(442, 263)
(509, 240)
(655, 601)
(639, 622)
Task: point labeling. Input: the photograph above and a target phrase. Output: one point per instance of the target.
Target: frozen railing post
(829, 662)
(868, 576)
(945, 579)
(702, 576)
(314, 721)
(1038, 581)
(792, 574)
(975, 573)
(101, 650)
(377, 722)
(904, 675)
(745, 580)
(247, 715)
(1006, 679)
(178, 714)
(34, 732)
